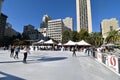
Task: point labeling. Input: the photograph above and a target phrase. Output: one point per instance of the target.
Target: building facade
(43, 31)
(108, 25)
(3, 19)
(45, 20)
(83, 12)
(55, 29)
(44, 25)
(1, 1)
(68, 23)
(9, 31)
(33, 34)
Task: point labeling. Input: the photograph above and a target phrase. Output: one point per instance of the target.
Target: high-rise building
(108, 25)
(33, 33)
(9, 31)
(1, 5)
(45, 20)
(3, 19)
(44, 25)
(83, 12)
(68, 23)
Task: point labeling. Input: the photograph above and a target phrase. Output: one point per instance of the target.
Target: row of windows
(52, 30)
(54, 34)
(54, 24)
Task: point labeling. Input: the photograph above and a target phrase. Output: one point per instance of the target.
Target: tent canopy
(60, 44)
(82, 42)
(50, 42)
(41, 41)
(110, 44)
(70, 43)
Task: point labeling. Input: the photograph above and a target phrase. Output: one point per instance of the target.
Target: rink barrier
(111, 61)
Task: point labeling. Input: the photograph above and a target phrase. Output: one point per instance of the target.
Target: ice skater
(74, 52)
(26, 51)
(12, 51)
(16, 52)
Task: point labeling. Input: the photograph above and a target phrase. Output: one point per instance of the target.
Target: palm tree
(113, 37)
(96, 39)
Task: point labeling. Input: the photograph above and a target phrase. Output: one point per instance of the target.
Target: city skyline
(26, 12)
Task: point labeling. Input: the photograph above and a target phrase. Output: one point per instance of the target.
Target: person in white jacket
(26, 51)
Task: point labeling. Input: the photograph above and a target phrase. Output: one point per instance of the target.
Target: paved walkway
(53, 65)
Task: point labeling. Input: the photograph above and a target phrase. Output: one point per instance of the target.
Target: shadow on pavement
(10, 61)
(46, 59)
(9, 77)
(51, 58)
(42, 59)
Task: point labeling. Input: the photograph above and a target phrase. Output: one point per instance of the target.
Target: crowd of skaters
(14, 52)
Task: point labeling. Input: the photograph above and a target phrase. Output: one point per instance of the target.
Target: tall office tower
(1, 5)
(45, 20)
(44, 25)
(83, 11)
(3, 19)
(68, 23)
(108, 25)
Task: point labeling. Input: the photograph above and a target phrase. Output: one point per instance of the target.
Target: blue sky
(24, 12)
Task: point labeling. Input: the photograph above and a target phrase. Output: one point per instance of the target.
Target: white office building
(55, 29)
(83, 12)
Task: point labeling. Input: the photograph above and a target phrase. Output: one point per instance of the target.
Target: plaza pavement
(53, 65)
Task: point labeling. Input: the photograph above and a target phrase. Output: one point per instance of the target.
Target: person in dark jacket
(12, 51)
(74, 52)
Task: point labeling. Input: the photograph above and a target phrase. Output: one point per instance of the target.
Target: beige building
(55, 29)
(108, 25)
(68, 23)
(83, 12)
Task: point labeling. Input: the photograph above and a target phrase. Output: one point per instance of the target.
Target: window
(111, 28)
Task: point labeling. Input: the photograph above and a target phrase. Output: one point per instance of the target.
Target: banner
(113, 62)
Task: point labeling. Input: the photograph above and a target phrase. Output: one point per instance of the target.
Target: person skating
(12, 51)
(26, 51)
(16, 52)
(74, 52)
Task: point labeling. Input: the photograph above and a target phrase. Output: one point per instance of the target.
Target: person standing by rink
(16, 52)
(74, 52)
(26, 51)
(12, 51)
